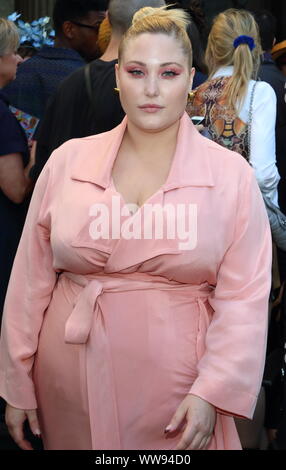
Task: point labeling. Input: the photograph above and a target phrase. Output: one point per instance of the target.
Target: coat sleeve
(31, 284)
(230, 370)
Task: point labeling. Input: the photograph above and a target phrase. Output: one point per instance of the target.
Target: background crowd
(68, 90)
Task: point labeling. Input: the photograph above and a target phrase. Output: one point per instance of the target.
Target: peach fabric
(107, 336)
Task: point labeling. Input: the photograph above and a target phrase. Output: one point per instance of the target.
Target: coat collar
(191, 164)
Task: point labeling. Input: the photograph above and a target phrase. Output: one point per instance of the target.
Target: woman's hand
(200, 417)
(15, 419)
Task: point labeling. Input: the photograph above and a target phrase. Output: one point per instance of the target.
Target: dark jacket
(271, 74)
(39, 77)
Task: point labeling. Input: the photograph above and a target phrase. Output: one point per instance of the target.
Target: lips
(154, 106)
(150, 108)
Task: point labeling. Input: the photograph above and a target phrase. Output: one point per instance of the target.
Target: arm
(31, 284)
(231, 368)
(263, 151)
(13, 181)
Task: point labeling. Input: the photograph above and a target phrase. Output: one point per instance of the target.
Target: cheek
(179, 95)
(91, 42)
(129, 89)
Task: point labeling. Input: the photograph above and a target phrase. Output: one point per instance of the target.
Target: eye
(169, 73)
(136, 72)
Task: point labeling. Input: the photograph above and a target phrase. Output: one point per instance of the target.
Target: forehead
(154, 48)
(93, 17)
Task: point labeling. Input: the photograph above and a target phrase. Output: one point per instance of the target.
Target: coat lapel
(191, 167)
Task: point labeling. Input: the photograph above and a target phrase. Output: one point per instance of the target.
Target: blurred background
(31, 9)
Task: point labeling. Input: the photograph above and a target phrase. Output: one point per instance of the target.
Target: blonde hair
(160, 20)
(220, 52)
(9, 37)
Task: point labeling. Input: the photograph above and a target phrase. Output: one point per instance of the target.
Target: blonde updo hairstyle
(9, 37)
(160, 21)
(227, 26)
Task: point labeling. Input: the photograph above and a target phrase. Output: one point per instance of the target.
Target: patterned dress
(222, 122)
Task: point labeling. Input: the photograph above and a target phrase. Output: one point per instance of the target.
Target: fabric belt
(81, 328)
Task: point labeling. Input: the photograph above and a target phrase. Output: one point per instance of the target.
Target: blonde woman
(233, 57)
(125, 332)
(14, 157)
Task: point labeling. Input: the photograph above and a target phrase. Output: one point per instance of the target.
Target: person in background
(14, 182)
(141, 342)
(213, 8)
(14, 157)
(196, 31)
(76, 24)
(270, 73)
(104, 35)
(233, 57)
(76, 111)
(279, 55)
(199, 61)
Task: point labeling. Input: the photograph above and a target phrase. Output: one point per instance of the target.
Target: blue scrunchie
(244, 40)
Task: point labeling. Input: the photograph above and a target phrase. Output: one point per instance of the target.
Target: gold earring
(117, 90)
(191, 94)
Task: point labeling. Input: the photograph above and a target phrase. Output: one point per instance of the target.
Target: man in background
(76, 24)
(270, 73)
(86, 102)
(275, 395)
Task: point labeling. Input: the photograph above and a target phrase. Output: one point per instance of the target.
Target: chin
(156, 125)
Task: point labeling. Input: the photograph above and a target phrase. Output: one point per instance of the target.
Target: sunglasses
(82, 25)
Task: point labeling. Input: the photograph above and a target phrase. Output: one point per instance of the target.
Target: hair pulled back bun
(172, 23)
(159, 15)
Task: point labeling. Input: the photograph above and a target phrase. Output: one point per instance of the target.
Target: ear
(192, 74)
(117, 75)
(69, 29)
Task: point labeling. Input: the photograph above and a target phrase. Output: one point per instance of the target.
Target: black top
(72, 114)
(12, 136)
(12, 140)
(271, 74)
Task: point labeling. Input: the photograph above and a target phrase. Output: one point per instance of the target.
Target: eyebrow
(161, 65)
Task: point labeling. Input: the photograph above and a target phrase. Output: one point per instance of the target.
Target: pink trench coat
(107, 336)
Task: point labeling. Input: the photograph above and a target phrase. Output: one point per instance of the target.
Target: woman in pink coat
(140, 325)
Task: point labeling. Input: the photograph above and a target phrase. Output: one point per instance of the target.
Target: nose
(152, 85)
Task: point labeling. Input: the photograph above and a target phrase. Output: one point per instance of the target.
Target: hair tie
(244, 40)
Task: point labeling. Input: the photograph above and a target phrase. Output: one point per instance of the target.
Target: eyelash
(139, 73)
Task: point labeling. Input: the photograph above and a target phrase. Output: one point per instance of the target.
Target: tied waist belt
(86, 308)
(104, 420)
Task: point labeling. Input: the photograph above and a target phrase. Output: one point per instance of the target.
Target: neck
(147, 144)
(62, 42)
(111, 52)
